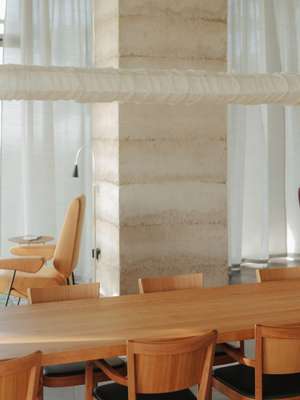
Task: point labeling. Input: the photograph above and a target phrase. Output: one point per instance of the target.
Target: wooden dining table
(80, 330)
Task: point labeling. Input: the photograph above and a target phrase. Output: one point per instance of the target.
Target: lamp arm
(78, 155)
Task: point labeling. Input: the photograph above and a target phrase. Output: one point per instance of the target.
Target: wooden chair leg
(89, 380)
(41, 388)
(242, 346)
(209, 394)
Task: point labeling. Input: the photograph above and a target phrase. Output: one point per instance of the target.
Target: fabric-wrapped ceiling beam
(20, 82)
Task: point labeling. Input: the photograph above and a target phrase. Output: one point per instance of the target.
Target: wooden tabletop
(88, 329)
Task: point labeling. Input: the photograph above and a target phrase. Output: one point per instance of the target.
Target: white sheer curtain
(40, 139)
(264, 141)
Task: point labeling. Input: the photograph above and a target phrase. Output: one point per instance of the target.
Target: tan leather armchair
(41, 250)
(17, 274)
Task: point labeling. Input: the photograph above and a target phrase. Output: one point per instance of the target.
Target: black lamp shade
(75, 171)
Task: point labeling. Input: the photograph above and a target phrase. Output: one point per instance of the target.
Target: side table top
(30, 239)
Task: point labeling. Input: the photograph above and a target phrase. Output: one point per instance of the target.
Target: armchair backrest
(277, 274)
(19, 378)
(67, 248)
(166, 283)
(162, 366)
(64, 293)
(277, 352)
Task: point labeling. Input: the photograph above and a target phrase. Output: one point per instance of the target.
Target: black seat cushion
(113, 391)
(242, 379)
(77, 368)
(64, 370)
(219, 351)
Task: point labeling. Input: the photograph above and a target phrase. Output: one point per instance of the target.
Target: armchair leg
(41, 388)
(72, 279)
(89, 380)
(10, 288)
(41, 394)
(19, 300)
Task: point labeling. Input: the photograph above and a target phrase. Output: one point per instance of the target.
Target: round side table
(23, 240)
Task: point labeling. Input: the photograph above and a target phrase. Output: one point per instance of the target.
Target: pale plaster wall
(161, 169)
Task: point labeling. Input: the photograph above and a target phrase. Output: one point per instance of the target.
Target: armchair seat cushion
(241, 379)
(113, 391)
(45, 277)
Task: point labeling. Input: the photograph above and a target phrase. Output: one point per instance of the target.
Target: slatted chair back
(19, 378)
(63, 293)
(66, 253)
(170, 365)
(166, 283)
(277, 274)
(277, 352)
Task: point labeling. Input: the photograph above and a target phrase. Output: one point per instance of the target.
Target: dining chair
(275, 372)
(167, 283)
(19, 378)
(180, 282)
(69, 374)
(277, 274)
(162, 369)
(17, 274)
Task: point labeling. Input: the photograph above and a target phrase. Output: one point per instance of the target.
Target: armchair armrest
(22, 264)
(237, 355)
(46, 251)
(112, 373)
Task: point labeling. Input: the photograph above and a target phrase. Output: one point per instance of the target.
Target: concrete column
(161, 169)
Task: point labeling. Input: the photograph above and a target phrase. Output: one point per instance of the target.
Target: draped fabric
(263, 141)
(40, 139)
(146, 86)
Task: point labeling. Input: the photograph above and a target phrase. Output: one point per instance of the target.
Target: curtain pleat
(39, 139)
(263, 168)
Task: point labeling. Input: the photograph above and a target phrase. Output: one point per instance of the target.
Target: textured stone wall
(161, 169)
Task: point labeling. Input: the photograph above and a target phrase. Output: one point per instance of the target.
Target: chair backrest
(63, 293)
(67, 248)
(19, 378)
(166, 283)
(162, 366)
(277, 352)
(277, 274)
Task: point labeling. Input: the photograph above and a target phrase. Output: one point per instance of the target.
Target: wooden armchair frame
(269, 360)
(65, 293)
(277, 274)
(188, 281)
(19, 378)
(185, 362)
